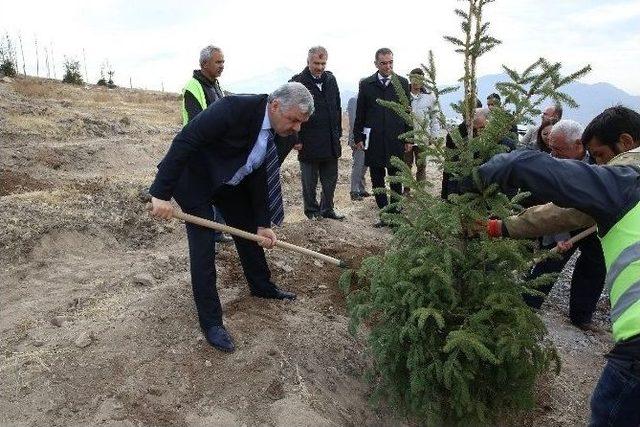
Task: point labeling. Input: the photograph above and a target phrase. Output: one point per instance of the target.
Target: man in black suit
(227, 155)
(384, 125)
(319, 138)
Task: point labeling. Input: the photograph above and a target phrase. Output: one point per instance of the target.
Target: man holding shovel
(227, 155)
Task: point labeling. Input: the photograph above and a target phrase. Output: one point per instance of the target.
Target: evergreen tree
(451, 338)
(8, 57)
(72, 71)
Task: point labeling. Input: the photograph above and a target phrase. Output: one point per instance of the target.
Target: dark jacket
(320, 135)
(385, 124)
(212, 92)
(606, 193)
(450, 185)
(209, 151)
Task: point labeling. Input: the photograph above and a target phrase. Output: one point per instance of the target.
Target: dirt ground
(97, 319)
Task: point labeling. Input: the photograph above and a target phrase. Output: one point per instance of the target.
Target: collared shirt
(258, 153)
(380, 77)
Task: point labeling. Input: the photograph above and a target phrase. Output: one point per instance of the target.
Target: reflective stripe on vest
(195, 87)
(621, 247)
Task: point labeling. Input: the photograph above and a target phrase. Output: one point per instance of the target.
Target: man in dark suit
(384, 125)
(227, 155)
(319, 138)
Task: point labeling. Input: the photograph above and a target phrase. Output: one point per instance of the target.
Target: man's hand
(359, 145)
(269, 237)
(564, 246)
(408, 148)
(297, 147)
(161, 208)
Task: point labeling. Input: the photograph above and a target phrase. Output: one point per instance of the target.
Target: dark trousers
(377, 181)
(237, 210)
(616, 398)
(327, 171)
(587, 281)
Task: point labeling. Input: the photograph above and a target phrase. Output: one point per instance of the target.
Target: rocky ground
(97, 320)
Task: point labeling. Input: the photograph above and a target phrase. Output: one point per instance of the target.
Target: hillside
(97, 318)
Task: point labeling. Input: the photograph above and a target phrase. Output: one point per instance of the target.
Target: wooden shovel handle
(254, 237)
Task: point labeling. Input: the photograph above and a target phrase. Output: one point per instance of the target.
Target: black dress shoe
(333, 215)
(365, 194)
(219, 338)
(276, 293)
(356, 196)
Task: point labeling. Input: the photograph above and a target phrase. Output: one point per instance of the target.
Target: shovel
(250, 236)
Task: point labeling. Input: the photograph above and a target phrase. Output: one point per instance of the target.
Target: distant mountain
(263, 83)
(268, 82)
(592, 98)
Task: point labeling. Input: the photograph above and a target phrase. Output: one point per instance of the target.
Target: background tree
(451, 338)
(8, 57)
(72, 71)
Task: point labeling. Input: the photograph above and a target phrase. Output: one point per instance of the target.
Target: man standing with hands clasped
(227, 155)
(382, 125)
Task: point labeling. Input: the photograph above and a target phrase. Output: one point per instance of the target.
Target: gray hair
(294, 94)
(572, 130)
(207, 53)
(317, 50)
(481, 113)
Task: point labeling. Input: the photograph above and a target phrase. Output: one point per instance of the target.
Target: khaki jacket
(550, 219)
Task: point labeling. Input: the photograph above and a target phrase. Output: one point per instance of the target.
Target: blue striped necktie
(276, 207)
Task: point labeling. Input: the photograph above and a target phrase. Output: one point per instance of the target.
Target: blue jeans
(616, 398)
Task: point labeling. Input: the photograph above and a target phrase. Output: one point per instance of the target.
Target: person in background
(383, 124)
(202, 90)
(549, 116)
(421, 105)
(319, 138)
(358, 168)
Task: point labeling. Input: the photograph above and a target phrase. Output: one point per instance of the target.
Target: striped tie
(276, 208)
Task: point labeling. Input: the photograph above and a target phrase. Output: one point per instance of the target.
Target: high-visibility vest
(195, 87)
(621, 248)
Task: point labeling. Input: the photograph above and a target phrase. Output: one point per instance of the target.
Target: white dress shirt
(258, 153)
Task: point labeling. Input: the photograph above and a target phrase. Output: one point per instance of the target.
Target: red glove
(494, 228)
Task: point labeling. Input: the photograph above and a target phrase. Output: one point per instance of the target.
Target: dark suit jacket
(320, 135)
(209, 151)
(385, 124)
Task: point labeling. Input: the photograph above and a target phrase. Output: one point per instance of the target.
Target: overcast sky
(158, 42)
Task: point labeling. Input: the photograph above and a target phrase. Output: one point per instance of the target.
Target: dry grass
(32, 125)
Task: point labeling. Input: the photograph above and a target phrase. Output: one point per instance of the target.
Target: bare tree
(37, 57)
(24, 68)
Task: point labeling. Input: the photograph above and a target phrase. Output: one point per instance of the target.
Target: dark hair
(543, 146)
(494, 96)
(383, 51)
(610, 124)
(417, 71)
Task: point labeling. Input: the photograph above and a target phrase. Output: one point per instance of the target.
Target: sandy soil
(97, 319)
